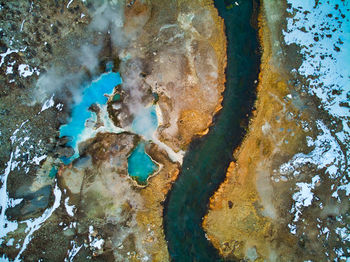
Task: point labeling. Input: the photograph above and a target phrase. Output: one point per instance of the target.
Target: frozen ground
(322, 30)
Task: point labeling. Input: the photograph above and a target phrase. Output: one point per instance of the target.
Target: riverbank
(276, 201)
(208, 157)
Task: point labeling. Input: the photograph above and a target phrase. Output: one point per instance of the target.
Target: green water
(207, 160)
(116, 97)
(53, 172)
(140, 165)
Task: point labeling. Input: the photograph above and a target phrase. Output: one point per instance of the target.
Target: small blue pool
(140, 165)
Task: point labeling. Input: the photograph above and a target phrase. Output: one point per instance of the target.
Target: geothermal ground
(143, 130)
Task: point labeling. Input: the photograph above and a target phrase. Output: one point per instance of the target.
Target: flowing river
(206, 162)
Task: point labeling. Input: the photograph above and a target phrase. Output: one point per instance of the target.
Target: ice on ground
(323, 34)
(25, 70)
(326, 153)
(47, 104)
(8, 52)
(73, 251)
(69, 208)
(304, 196)
(19, 139)
(69, 3)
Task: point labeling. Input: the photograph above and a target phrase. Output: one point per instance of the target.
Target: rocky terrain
(171, 54)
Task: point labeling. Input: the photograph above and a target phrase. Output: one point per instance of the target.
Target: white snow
(73, 251)
(323, 34)
(25, 139)
(22, 24)
(95, 242)
(25, 70)
(70, 209)
(37, 160)
(31, 7)
(71, 225)
(326, 61)
(59, 107)
(303, 198)
(48, 103)
(326, 154)
(9, 70)
(18, 139)
(13, 137)
(4, 258)
(9, 51)
(14, 202)
(344, 233)
(69, 3)
(10, 242)
(6, 226)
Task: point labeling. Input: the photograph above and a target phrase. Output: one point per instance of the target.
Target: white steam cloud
(107, 18)
(107, 21)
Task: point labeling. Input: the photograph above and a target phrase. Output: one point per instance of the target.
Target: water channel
(208, 157)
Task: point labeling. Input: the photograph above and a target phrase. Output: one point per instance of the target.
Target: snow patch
(37, 160)
(95, 242)
(70, 209)
(326, 154)
(69, 3)
(73, 251)
(22, 24)
(48, 103)
(26, 70)
(8, 52)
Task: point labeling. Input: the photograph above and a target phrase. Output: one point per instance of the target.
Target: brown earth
(183, 51)
(181, 47)
(248, 215)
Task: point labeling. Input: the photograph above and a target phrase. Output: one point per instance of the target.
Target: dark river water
(208, 157)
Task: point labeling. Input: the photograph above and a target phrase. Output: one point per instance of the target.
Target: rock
(31, 205)
(94, 108)
(64, 151)
(3, 47)
(63, 140)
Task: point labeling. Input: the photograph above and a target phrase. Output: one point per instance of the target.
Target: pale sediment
(187, 68)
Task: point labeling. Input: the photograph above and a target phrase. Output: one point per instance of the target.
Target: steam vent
(175, 131)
